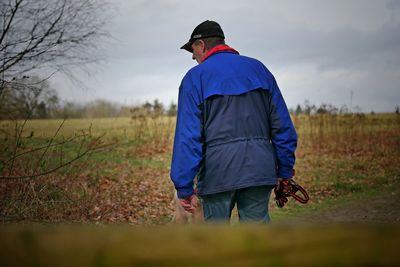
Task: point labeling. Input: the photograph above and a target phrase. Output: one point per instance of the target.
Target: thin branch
(13, 12)
(49, 144)
(97, 149)
(54, 35)
(46, 146)
(16, 144)
(28, 50)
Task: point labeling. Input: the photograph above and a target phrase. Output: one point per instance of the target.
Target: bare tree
(49, 36)
(42, 37)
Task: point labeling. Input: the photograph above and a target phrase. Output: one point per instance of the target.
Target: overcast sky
(322, 51)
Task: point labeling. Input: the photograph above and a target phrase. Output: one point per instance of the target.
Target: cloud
(318, 50)
(393, 4)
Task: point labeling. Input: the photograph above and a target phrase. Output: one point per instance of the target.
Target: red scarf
(218, 49)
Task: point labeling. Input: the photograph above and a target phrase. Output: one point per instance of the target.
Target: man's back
(234, 96)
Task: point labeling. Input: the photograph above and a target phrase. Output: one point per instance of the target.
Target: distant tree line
(33, 98)
(308, 108)
(28, 97)
(101, 108)
(153, 110)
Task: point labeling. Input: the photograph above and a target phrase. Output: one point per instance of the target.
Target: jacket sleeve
(283, 133)
(187, 150)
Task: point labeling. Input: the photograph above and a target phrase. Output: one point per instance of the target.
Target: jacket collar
(218, 49)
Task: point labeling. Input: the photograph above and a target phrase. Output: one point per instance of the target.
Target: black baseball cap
(205, 29)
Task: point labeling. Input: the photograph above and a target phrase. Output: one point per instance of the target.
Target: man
(233, 132)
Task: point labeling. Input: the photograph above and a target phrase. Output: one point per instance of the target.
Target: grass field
(127, 178)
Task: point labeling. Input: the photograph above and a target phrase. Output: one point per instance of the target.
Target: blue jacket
(233, 128)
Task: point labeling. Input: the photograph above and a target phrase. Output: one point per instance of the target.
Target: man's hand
(280, 192)
(278, 187)
(190, 203)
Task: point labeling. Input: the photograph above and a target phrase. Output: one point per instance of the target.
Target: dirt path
(373, 209)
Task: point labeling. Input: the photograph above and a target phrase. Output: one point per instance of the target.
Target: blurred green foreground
(204, 245)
